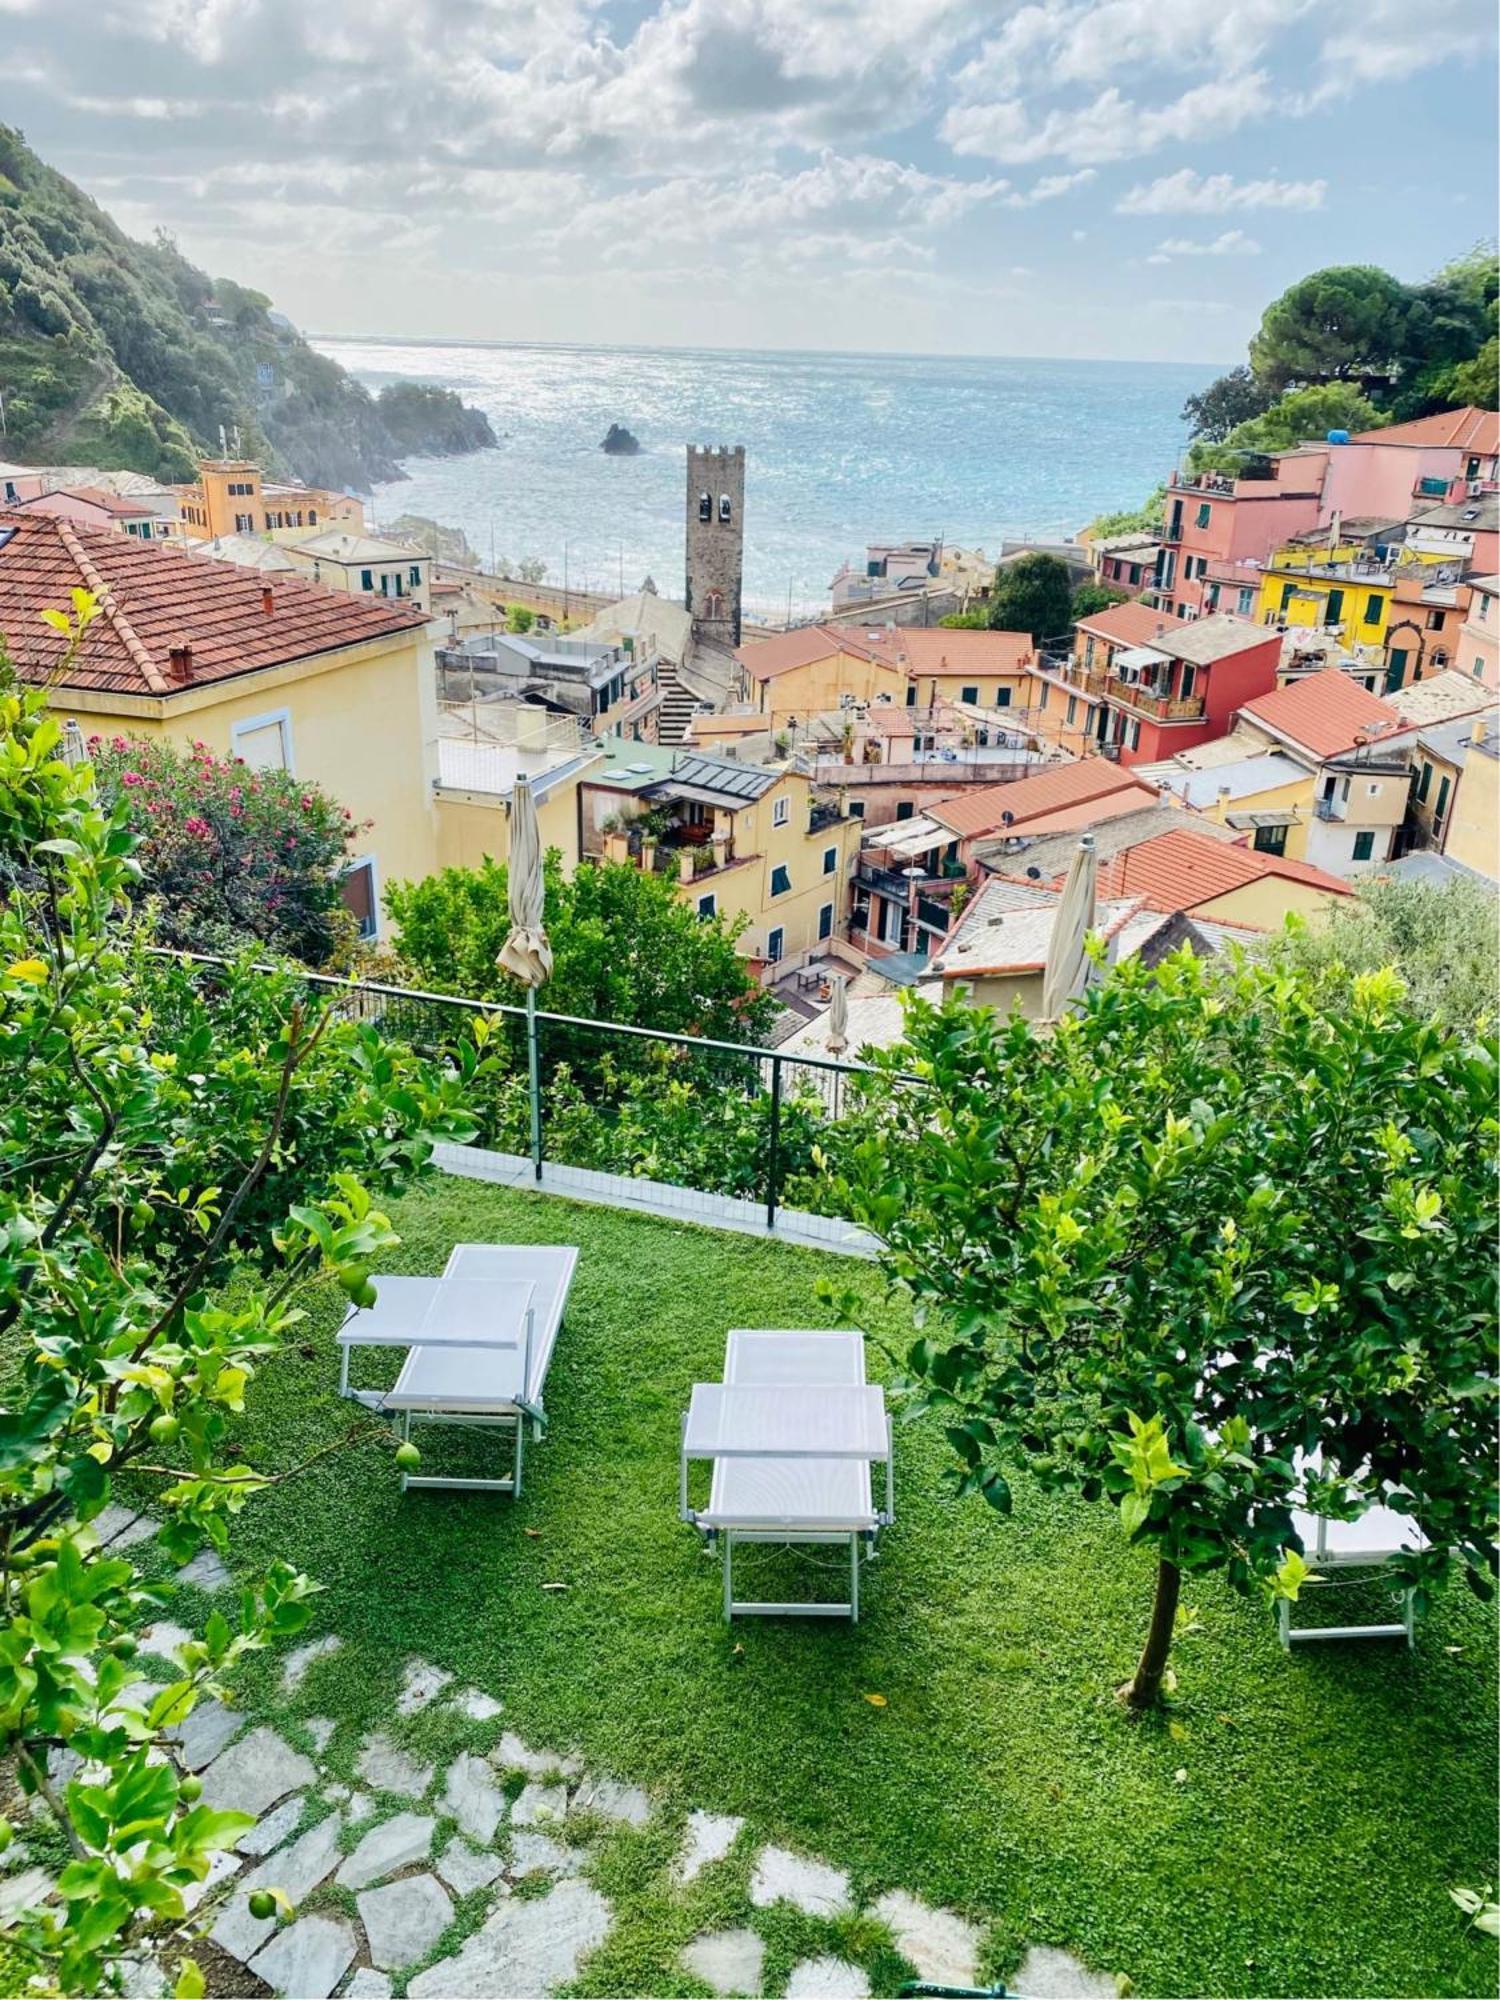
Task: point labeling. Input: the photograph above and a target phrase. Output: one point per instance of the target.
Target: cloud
(1112, 127)
(1188, 192)
(1233, 243)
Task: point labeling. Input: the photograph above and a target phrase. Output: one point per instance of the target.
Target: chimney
(1480, 730)
(180, 663)
(267, 599)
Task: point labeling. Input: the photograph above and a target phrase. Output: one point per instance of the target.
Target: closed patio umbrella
(1069, 970)
(838, 1016)
(526, 955)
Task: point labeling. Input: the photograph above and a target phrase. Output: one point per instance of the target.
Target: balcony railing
(1329, 808)
(1160, 707)
(888, 881)
(565, 1108)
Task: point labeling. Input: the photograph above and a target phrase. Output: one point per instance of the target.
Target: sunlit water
(842, 449)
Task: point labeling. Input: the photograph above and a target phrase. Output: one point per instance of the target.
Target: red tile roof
(1469, 429)
(1088, 782)
(92, 496)
(157, 601)
(762, 659)
(1324, 714)
(1183, 870)
(937, 649)
(1132, 624)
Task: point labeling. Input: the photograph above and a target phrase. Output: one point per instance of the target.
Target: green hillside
(124, 355)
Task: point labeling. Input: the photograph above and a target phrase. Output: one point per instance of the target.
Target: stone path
(377, 1885)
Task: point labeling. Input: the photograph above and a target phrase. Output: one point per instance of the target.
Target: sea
(841, 450)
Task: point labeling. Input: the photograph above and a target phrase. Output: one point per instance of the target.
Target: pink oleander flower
(199, 828)
(306, 802)
(131, 778)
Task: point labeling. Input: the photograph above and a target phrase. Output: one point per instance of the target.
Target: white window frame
(281, 718)
(351, 867)
(776, 945)
(825, 910)
(781, 811)
(708, 907)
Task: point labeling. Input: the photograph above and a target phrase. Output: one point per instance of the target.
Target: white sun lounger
(1368, 1543)
(792, 1431)
(479, 1344)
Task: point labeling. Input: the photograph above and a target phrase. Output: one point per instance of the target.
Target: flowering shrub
(230, 854)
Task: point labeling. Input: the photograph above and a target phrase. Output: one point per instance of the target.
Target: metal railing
(718, 1117)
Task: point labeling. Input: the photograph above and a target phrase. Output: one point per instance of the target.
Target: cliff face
(124, 355)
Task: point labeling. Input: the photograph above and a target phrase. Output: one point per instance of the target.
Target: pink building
(1183, 686)
(1211, 520)
(1387, 475)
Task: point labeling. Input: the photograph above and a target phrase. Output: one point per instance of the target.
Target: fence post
(773, 1159)
(534, 1068)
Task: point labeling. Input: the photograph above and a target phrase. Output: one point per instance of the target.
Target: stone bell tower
(715, 540)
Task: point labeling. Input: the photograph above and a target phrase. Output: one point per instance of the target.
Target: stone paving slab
(626, 1803)
(478, 1706)
(826, 1979)
(472, 1797)
(294, 1667)
(268, 1834)
(394, 1843)
(206, 1571)
(420, 1686)
(539, 1854)
(709, 1838)
(389, 1769)
(810, 1886)
(728, 1961)
(295, 1870)
(205, 1731)
(511, 1754)
(1046, 1973)
(308, 1959)
(465, 1868)
(540, 1805)
(367, 1984)
(404, 1920)
(943, 1948)
(254, 1772)
(525, 1949)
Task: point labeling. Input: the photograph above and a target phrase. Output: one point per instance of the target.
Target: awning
(909, 837)
(1242, 822)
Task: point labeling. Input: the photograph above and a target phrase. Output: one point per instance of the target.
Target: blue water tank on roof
(1338, 437)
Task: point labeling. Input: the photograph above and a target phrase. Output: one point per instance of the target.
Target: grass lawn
(1294, 1828)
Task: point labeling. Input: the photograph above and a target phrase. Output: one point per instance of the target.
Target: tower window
(705, 507)
(724, 507)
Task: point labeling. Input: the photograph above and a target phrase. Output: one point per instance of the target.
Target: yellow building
(1264, 795)
(483, 747)
(817, 668)
(232, 498)
(1334, 589)
(1474, 827)
(740, 841)
(339, 690)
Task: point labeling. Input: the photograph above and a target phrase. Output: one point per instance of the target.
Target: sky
(1122, 179)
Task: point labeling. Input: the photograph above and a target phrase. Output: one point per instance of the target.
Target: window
(1205, 514)
(264, 742)
(825, 921)
(781, 811)
(367, 579)
(312, 518)
(1072, 711)
(911, 694)
(856, 809)
(1395, 671)
(1478, 667)
(781, 880)
(1364, 846)
(244, 524)
(1335, 606)
(970, 695)
(1135, 736)
(830, 860)
(905, 809)
(1042, 697)
(359, 895)
(1189, 679)
(1002, 697)
(707, 909)
(1374, 606)
(1135, 573)
(1247, 603)
(1424, 783)
(1288, 590)
(775, 945)
(1270, 840)
(1442, 801)
(414, 577)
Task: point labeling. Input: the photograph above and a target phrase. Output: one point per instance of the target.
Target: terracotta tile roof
(92, 496)
(156, 601)
(1183, 869)
(1469, 429)
(1088, 781)
(1132, 624)
(1007, 928)
(936, 649)
(762, 659)
(1324, 714)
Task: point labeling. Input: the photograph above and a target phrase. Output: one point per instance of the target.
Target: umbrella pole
(534, 1069)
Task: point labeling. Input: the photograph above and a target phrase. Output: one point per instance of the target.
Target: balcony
(1146, 701)
(1331, 809)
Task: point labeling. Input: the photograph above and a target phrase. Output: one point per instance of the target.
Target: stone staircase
(677, 705)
